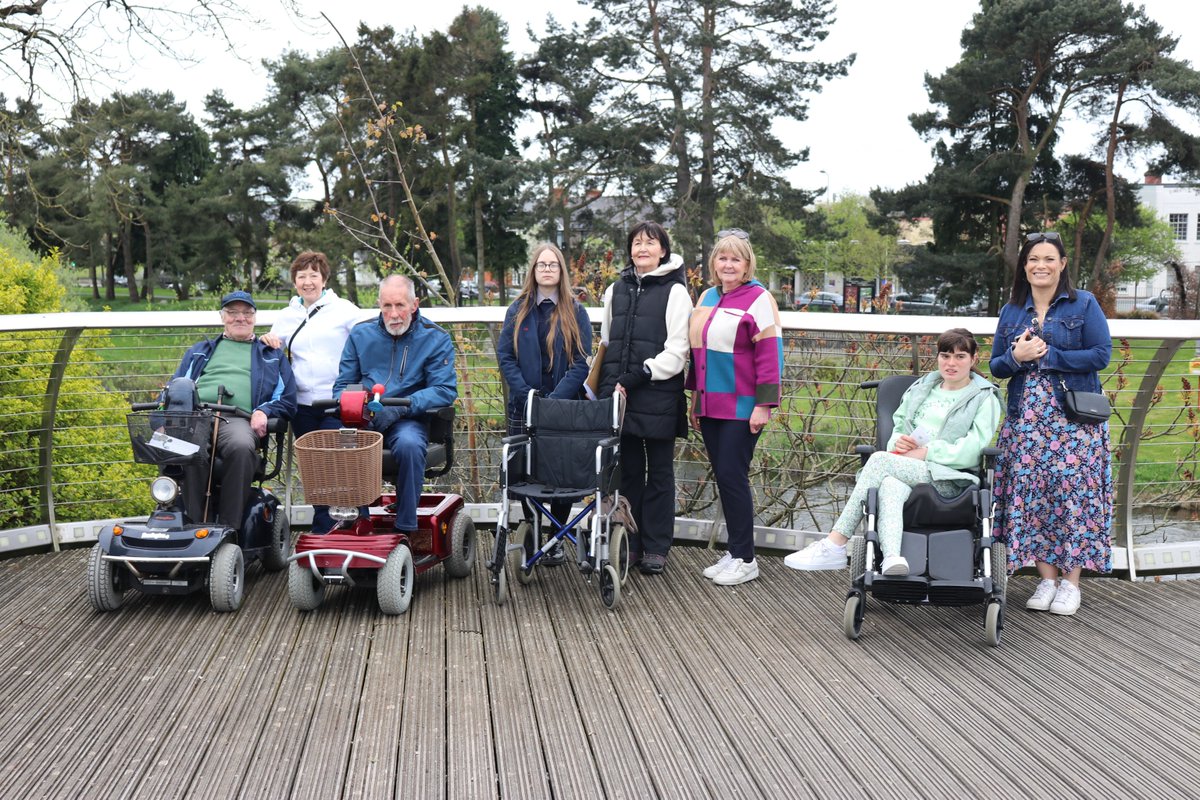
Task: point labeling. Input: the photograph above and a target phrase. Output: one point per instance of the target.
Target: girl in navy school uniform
(544, 346)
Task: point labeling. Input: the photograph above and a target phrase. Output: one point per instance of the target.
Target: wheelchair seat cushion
(926, 510)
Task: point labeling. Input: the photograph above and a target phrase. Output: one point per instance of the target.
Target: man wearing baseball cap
(258, 380)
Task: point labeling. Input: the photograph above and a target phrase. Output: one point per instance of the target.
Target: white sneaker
(896, 566)
(822, 554)
(1042, 597)
(737, 572)
(719, 567)
(1066, 599)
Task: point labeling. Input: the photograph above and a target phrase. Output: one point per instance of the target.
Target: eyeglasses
(1048, 236)
(546, 266)
(738, 232)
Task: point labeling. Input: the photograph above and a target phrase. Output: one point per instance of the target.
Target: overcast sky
(857, 132)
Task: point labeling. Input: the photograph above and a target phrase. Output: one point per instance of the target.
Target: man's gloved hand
(387, 417)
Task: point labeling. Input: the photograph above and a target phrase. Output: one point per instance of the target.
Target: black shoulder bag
(1088, 408)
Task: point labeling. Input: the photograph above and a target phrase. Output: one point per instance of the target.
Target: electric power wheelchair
(953, 558)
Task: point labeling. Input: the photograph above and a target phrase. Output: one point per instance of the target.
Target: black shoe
(652, 564)
(555, 555)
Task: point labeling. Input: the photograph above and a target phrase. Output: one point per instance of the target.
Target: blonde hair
(562, 319)
(739, 247)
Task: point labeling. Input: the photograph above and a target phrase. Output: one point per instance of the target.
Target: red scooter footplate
(378, 546)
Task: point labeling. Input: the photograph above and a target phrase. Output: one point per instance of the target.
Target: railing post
(1127, 451)
(49, 411)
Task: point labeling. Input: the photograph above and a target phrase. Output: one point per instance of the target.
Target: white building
(1178, 205)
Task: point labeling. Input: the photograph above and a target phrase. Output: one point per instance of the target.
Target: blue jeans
(407, 439)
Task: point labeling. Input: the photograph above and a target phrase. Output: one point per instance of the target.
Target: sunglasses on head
(738, 232)
(1048, 236)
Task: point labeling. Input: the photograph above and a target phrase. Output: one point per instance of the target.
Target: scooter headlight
(164, 490)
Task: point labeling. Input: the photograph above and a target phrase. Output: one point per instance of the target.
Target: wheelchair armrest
(610, 442)
(516, 438)
(990, 452)
(864, 451)
(277, 425)
(873, 384)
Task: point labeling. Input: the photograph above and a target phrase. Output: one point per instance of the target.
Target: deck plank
(686, 690)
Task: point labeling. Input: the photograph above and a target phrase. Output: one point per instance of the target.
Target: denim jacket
(1078, 345)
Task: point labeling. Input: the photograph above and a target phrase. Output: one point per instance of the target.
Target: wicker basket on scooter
(341, 467)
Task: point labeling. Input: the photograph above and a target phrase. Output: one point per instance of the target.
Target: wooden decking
(686, 691)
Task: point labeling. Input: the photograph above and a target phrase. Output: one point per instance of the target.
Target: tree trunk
(479, 243)
(110, 266)
(148, 272)
(127, 252)
(708, 135)
(1099, 266)
(452, 221)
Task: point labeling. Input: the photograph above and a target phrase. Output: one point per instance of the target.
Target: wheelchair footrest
(906, 589)
(957, 593)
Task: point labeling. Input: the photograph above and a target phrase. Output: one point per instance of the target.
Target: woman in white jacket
(312, 330)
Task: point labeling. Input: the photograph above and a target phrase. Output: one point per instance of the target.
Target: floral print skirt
(1053, 489)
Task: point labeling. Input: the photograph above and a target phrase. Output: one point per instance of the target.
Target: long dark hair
(1020, 286)
(656, 232)
(562, 319)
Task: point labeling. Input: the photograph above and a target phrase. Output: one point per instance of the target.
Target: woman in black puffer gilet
(645, 328)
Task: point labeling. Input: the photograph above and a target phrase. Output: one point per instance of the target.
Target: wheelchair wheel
(226, 578)
(993, 622)
(610, 586)
(500, 585)
(618, 551)
(394, 587)
(852, 617)
(462, 545)
(999, 556)
(858, 557)
(275, 557)
(305, 591)
(106, 588)
(528, 548)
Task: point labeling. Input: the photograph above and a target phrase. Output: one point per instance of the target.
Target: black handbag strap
(288, 350)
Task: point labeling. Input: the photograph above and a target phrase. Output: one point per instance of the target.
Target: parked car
(819, 301)
(1156, 305)
(468, 290)
(919, 304)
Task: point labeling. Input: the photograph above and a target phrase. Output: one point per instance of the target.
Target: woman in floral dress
(1053, 478)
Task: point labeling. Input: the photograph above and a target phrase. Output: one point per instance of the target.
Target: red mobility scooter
(344, 469)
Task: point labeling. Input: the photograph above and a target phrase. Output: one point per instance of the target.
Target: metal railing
(66, 381)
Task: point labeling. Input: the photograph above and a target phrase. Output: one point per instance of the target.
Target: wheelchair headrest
(180, 395)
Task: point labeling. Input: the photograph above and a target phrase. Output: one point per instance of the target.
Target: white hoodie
(676, 350)
(317, 351)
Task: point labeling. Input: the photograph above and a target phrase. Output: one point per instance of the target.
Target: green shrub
(89, 427)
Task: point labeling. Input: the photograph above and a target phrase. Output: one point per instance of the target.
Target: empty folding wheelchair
(953, 559)
(569, 452)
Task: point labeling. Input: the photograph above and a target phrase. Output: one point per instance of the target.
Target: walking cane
(212, 452)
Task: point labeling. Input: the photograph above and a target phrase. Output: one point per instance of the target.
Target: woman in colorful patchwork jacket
(737, 361)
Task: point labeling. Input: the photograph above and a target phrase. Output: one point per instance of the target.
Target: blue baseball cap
(238, 297)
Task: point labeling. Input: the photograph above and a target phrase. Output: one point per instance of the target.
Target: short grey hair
(403, 280)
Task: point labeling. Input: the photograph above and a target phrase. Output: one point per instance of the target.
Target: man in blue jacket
(258, 380)
(411, 357)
